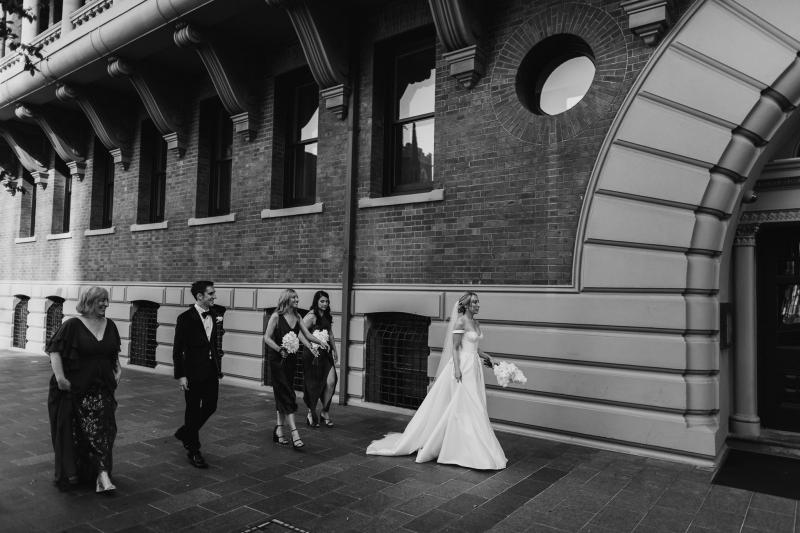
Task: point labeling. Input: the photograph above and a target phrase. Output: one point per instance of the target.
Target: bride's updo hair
(464, 301)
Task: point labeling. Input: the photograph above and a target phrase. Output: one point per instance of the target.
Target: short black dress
(283, 370)
(82, 421)
(316, 370)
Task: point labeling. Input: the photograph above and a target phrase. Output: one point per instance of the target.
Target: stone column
(745, 421)
(69, 7)
(30, 28)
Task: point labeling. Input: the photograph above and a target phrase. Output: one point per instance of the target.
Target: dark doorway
(778, 271)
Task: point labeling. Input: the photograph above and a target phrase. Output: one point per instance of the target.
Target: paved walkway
(332, 485)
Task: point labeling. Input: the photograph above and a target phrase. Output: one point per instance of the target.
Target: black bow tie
(205, 314)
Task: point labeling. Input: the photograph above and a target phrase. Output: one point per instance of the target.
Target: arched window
(298, 375)
(397, 359)
(55, 315)
(20, 337)
(143, 333)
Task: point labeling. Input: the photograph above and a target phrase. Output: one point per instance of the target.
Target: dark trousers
(201, 402)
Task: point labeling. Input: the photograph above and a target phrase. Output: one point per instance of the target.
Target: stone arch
(670, 176)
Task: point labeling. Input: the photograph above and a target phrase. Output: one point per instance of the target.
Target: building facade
(635, 252)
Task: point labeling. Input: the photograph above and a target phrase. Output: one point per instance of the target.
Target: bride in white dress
(452, 424)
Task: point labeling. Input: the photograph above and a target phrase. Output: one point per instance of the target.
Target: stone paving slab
(254, 485)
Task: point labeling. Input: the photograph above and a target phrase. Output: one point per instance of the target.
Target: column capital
(746, 235)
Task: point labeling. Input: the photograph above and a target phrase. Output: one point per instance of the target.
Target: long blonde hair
(464, 301)
(89, 297)
(284, 301)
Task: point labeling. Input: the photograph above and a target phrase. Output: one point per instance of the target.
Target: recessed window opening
(55, 315)
(143, 333)
(555, 75)
(20, 337)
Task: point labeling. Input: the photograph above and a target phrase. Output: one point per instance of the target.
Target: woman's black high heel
(311, 420)
(296, 442)
(280, 439)
(326, 420)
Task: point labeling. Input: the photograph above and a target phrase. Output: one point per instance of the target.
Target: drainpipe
(348, 254)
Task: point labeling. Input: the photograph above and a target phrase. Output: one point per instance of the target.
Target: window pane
(416, 81)
(308, 112)
(415, 151)
(567, 85)
(305, 175)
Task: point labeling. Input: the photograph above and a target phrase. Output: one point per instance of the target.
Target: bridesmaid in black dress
(282, 362)
(84, 354)
(319, 370)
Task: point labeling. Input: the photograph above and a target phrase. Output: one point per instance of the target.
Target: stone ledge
(292, 211)
(436, 195)
(99, 231)
(58, 236)
(149, 227)
(230, 217)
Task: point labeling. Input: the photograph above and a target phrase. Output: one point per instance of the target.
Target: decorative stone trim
(100, 231)
(89, 11)
(319, 28)
(59, 236)
(230, 217)
(160, 103)
(14, 58)
(292, 211)
(436, 195)
(766, 217)
(458, 25)
(27, 147)
(745, 235)
(149, 227)
(48, 36)
(647, 19)
(604, 37)
(228, 82)
(20, 240)
(106, 120)
(64, 133)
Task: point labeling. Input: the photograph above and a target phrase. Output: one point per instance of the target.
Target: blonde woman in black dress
(84, 354)
(282, 363)
(319, 369)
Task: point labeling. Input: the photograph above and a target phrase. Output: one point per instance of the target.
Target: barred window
(20, 338)
(55, 315)
(397, 359)
(298, 375)
(143, 333)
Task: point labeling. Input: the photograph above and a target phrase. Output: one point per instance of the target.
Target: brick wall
(509, 216)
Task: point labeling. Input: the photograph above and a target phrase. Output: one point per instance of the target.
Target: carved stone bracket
(64, 133)
(28, 149)
(647, 19)
(322, 33)
(161, 104)
(109, 123)
(459, 29)
(228, 82)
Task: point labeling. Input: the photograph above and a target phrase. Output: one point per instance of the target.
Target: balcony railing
(89, 11)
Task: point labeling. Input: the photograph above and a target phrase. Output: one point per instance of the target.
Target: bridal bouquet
(507, 373)
(290, 343)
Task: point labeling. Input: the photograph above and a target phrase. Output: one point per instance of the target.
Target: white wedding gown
(452, 424)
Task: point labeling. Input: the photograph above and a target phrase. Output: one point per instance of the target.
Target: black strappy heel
(280, 439)
(296, 443)
(311, 420)
(326, 420)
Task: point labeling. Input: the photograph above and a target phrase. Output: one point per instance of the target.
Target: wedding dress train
(452, 424)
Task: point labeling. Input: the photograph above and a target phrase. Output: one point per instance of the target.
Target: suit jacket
(191, 348)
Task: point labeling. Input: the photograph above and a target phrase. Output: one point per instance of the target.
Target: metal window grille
(143, 334)
(21, 322)
(298, 375)
(397, 359)
(55, 315)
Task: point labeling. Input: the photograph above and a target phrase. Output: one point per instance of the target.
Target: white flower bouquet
(507, 373)
(320, 335)
(290, 343)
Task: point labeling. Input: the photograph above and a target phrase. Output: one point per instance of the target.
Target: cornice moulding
(647, 19)
(458, 25)
(63, 133)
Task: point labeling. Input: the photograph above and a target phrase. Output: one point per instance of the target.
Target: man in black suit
(197, 364)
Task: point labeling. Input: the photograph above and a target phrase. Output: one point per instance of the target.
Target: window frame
(394, 124)
(219, 183)
(296, 146)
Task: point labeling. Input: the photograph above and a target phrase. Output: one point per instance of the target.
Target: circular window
(555, 74)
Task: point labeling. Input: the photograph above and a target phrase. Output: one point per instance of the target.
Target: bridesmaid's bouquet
(290, 343)
(321, 335)
(507, 373)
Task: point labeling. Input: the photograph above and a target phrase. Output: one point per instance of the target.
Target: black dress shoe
(197, 460)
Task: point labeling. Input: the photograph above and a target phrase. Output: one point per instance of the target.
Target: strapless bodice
(470, 341)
